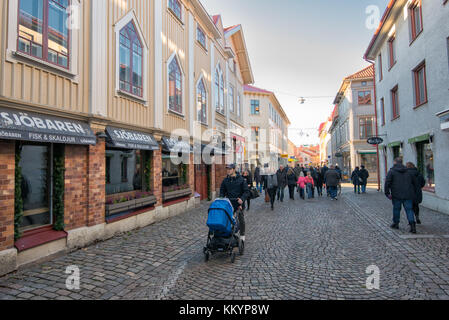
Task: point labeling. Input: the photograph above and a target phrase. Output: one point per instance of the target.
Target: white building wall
(431, 46)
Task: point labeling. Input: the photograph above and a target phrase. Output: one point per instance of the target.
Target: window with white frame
(175, 86)
(239, 111)
(231, 99)
(43, 32)
(219, 91)
(131, 61)
(201, 102)
(176, 8)
(201, 37)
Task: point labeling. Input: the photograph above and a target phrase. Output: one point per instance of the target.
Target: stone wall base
(433, 202)
(41, 253)
(8, 261)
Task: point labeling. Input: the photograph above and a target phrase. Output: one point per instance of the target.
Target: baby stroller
(224, 234)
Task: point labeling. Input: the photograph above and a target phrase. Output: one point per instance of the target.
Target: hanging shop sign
(30, 126)
(375, 140)
(128, 139)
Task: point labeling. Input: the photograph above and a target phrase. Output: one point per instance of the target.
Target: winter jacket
(421, 183)
(400, 183)
(364, 174)
(257, 176)
(309, 180)
(297, 171)
(356, 178)
(270, 182)
(291, 177)
(249, 179)
(234, 188)
(324, 170)
(302, 182)
(282, 178)
(332, 178)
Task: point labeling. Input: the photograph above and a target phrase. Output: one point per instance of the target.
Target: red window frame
(395, 102)
(366, 94)
(416, 71)
(46, 4)
(131, 61)
(391, 51)
(381, 74)
(412, 14)
(382, 110)
(364, 124)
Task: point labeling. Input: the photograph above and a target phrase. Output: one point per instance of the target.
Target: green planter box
(175, 194)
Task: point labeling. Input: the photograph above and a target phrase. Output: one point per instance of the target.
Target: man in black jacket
(421, 184)
(364, 174)
(400, 187)
(282, 182)
(235, 188)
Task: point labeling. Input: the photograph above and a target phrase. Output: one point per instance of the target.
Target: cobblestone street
(313, 249)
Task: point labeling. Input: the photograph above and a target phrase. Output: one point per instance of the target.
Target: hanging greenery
(58, 197)
(148, 172)
(18, 200)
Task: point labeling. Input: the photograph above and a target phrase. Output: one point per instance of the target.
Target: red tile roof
(249, 88)
(230, 28)
(368, 72)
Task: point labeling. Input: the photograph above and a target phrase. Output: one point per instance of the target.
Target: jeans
(272, 194)
(363, 188)
(259, 186)
(291, 191)
(309, 190)
(408, 206)
(333, 191)
(281, 193)
(319, 190)
(356, 188)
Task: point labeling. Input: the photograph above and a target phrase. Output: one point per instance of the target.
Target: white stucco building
(411, 49)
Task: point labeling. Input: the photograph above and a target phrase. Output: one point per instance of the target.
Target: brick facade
(156, 176)
(96, 183)
(76, 191)
(7, 167)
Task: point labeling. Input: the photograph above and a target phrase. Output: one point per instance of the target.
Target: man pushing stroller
(236, 190)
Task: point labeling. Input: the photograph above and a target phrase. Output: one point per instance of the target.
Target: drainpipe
(375, 115)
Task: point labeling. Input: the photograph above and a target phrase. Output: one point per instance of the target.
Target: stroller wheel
(233, 257)
(241, 247)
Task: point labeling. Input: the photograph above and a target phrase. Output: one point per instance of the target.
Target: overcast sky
(303, 48)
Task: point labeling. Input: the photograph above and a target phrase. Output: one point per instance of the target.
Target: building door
(201, 173)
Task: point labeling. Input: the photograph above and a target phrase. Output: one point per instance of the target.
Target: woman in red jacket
(310, 185)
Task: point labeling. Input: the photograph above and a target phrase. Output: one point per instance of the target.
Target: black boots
(413, 227)
(417, 220)
(395, 226)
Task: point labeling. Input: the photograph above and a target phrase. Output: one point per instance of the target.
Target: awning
(127, 139)
(367, 151)
(394, 144)
(173, 145)
(30, 126)
(424, 137)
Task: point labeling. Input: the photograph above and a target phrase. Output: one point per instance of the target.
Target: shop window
(364, 98)
(370, 162)
(43, 31)
(131, 61)
(397, 152)
(426, 163)
(202, 102)
(174, 176)
(175, 86)
(124, 171)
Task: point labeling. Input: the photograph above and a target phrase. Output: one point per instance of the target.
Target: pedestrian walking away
(332, 180)
(356, 180)
(418, 194)
(271, 185)
(364, 174)
(301, 185)
(400, 188)
(291, 180)
(310, 184)
(249, 182)
(319, 182)
(235, 188)
(258, 179)
(282, 182)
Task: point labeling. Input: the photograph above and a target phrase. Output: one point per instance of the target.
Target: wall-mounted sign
(375, 140)
(127, 139)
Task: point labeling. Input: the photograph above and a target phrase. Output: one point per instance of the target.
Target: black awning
(128, 139)
(173, 145)
(30, 126)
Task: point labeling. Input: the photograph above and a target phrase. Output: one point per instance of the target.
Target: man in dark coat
(332, 179)
(297, 171)
(400, 187)
(291, 180)
(356, 180)
(235, 188)
(323, 173)
(282, 182)
(421, 184)
(258, 179)
(364, 174)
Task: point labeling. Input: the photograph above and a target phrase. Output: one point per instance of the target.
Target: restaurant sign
(30, 126)
(127, 139)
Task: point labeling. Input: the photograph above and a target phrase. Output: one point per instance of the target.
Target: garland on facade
(148, 174)
(18, 200)
(209, 182)
(58, 197)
